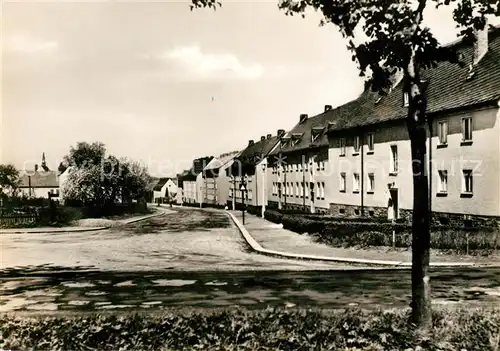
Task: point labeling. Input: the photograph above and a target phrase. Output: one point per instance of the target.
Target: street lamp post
(243, 190)
(1, 201)
(264, 167)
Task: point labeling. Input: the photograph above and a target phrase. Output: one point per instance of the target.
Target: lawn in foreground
(270, 329)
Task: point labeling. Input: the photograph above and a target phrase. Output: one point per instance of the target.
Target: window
(342, 146)
(306, 190)
(371, 182)
(356, 144)
(301, 189)
(406, 99)
(314, 136)
(297, 191)
(443, 182)
(394, 159)
(318, 165)
(305, 165)
(355, 187)
(231, 192)
(342, 185)
(322, 165)
(467, 129)
(322, 190)
(467, 182)
(318, 191)
(443, 132)
(370, 141)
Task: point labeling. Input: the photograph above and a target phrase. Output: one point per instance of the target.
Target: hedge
(348, 233)
(270, 329)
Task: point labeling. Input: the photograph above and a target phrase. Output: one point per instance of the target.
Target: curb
(255, 246)
(77, 229)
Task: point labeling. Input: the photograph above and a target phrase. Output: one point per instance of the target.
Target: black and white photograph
(250, 175)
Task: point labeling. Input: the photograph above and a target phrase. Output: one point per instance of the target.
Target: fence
(13, 220)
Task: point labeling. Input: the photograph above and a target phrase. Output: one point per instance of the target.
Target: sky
(160, 84)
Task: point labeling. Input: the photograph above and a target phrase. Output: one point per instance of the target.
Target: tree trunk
(416, 122)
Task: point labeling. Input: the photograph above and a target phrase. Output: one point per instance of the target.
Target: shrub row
(255, 210)
(268, 329)
(339, 233)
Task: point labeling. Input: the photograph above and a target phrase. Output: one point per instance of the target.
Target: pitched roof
(254, 153)
(200, 163)
(448, 89)
(152, 184)
(162, 181)
(220, 161)
(39, 179)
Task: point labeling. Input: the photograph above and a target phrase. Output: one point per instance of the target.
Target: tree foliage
(85, 154)
(394, 31)
(99, 180)
(9, 180)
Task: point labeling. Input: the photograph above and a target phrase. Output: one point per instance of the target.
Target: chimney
(328, 108)
(480, 43)
(303, 117)
(250, 142)
(269, 136)
(262, 138)
(281, 132)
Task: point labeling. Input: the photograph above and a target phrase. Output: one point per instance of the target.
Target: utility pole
(243, 190)
(264, 169)
(303, 166)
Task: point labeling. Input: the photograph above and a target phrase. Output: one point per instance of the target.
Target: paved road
(100, 291)
(184, 259)
(186, 240)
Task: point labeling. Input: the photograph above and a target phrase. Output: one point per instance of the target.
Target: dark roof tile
(448, 89)
(39, 179)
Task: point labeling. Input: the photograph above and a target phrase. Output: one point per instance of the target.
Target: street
(196, 258)
(185, 240)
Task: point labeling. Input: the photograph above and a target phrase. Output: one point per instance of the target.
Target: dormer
(316, 132)
(284, 141)
(295, 138)
(331, 125)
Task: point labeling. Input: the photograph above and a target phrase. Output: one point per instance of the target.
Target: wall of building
(482, 155)
(39, 192)
(223, 185)
(172, 191)
(293, 173)
(189, 192)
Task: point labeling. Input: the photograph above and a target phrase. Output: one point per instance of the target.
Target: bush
(358, 232)
(270, 329)
(273, 216)
(255, 210)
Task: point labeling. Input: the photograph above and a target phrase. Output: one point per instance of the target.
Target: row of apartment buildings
(355, 159)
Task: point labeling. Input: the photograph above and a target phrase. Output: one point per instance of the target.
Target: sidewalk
(270, 238)
(75, 229)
